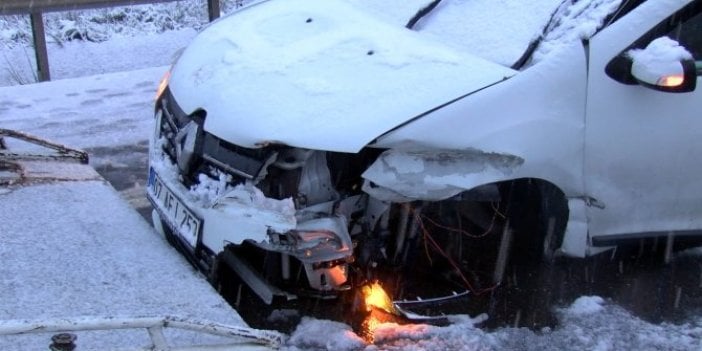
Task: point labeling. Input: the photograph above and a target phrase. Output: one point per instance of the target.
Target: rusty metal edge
(64, 151)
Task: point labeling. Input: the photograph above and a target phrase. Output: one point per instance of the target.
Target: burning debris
(376, 297)
(376, 307)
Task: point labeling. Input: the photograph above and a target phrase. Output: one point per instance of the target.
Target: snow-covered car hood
(319, 75)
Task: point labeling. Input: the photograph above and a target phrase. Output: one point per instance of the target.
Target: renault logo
(185, 143)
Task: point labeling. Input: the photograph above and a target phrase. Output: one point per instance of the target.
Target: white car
(312, 146)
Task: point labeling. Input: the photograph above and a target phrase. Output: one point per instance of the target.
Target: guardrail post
(213, 9)
(40, 46)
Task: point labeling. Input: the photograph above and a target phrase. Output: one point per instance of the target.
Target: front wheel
(537, 214)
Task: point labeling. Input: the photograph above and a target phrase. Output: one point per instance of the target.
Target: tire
(537, 212)
(537, 215)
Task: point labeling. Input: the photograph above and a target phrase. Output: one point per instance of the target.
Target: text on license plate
(187, 225)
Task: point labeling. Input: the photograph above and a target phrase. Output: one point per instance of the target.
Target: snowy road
(107, 115)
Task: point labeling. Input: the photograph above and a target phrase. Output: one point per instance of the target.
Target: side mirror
(664, 65)
(660, 74)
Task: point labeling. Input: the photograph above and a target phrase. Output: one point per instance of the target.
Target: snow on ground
(75, 249)
(77, 58)
(100, 110)
(589, 323)
(152, 34)
(115, 109)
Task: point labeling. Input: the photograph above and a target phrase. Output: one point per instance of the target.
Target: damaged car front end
(274, 199)
(294, 222)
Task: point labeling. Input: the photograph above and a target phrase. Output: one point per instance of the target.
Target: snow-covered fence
(36, 8)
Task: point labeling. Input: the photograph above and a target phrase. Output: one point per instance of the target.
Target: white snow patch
(208, 190)
(314, 334)
(579, 20)
(315, 86)
(586, 305)
(462, 336)
(255, 198)
(475, 26)
(660, 51)
(392, 331)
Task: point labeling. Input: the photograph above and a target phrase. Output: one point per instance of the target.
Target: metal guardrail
(36, 8)
(18, 7)
(239, 337)
(60, 151)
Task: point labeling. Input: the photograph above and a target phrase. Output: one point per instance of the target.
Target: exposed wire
(497, 210)
(487, 231)
(429, 239)
(426, 248)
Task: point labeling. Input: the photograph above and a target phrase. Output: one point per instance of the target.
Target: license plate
(180, 217)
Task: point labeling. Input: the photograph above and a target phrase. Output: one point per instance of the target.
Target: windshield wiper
(623, 9)
(421, 13)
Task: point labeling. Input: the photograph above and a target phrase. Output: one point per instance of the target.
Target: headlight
(163, 84)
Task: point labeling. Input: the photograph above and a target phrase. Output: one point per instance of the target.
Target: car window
(688, 32)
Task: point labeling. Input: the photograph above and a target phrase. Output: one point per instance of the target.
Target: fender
(435, 175)
(515, 129)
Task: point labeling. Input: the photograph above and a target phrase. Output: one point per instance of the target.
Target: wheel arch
(406, 175)
(536, 199)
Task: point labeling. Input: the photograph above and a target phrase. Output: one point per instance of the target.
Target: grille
(196, 151)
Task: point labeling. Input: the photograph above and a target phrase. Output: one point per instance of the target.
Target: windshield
(496, 30)
(500, 31)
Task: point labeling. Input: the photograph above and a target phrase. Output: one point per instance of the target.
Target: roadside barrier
(36, 8)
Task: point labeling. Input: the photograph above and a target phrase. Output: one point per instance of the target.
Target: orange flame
(375, 296)
(381, 310)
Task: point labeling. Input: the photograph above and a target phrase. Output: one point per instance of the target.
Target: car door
(643, 147)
